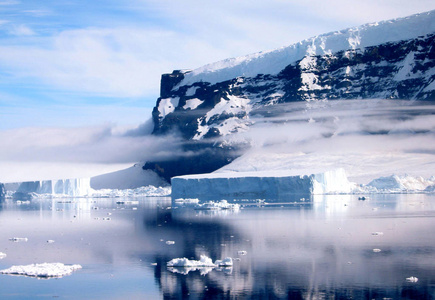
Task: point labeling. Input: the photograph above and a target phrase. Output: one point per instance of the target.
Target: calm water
(317, 250)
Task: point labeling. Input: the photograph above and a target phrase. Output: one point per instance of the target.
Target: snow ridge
(272, 62)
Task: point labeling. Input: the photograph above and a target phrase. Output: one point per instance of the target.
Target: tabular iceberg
(265, 184)
(71, 187)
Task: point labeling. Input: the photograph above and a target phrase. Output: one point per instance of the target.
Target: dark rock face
(204, 113)
(2, 191)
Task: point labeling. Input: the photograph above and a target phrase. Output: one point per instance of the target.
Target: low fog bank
(368, 138)
(28, 154)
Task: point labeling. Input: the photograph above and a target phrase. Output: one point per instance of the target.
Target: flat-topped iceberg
(262, 184)
(44, 270)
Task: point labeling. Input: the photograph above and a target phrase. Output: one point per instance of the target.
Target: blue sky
(87, 64)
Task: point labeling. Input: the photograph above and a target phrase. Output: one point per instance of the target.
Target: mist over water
(368, 138)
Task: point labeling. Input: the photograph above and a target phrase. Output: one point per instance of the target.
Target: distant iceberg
(72, 187)
(262, 184)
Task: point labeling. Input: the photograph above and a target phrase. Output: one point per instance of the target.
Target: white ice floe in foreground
(44, 270)
(2, 255)
(204, 261)
(204, 264)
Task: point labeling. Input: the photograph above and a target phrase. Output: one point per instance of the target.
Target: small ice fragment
(412, 279)
(170, 242)
(377, 233)
(134, 208)
(17, 239)
(107, 219)
(2, 255)
(242, 252)
(154, 264)
(376, 250)
(50, 241)
(109, 214)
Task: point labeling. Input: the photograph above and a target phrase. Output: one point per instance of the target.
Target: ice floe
(412, 279)
(2, 255)
(204, 265)
(44, 270)
(212, 205)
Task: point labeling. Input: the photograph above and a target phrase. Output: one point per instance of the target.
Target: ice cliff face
(387, 60)
(269, 185)
(71, 187)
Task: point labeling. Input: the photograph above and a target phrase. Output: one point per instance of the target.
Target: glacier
(71, 187)
(261, 184)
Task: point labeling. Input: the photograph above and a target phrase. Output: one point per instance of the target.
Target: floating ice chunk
(412, 279)
(50, 241)
(184, 262)
(42, 270)
(377, 233)
(242, 252)
(18, 239)
(2, 255)
(377, 250)
(223, 204)
(186, 200)
(170, 242)
(227, 262)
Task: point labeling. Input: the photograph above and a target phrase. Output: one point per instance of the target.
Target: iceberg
(71, 187)
(44, 270)
(261, 184)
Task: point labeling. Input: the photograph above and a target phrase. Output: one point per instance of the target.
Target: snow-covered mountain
(387, 60)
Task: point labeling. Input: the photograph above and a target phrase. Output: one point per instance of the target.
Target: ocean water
(322, 248)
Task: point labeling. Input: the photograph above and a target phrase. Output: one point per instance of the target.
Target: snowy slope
(272, 62)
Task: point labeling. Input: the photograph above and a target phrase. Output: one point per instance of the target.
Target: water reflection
(320, 248)
(308, 251)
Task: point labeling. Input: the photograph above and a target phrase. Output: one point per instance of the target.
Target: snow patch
(167, 106)
(193, 103)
